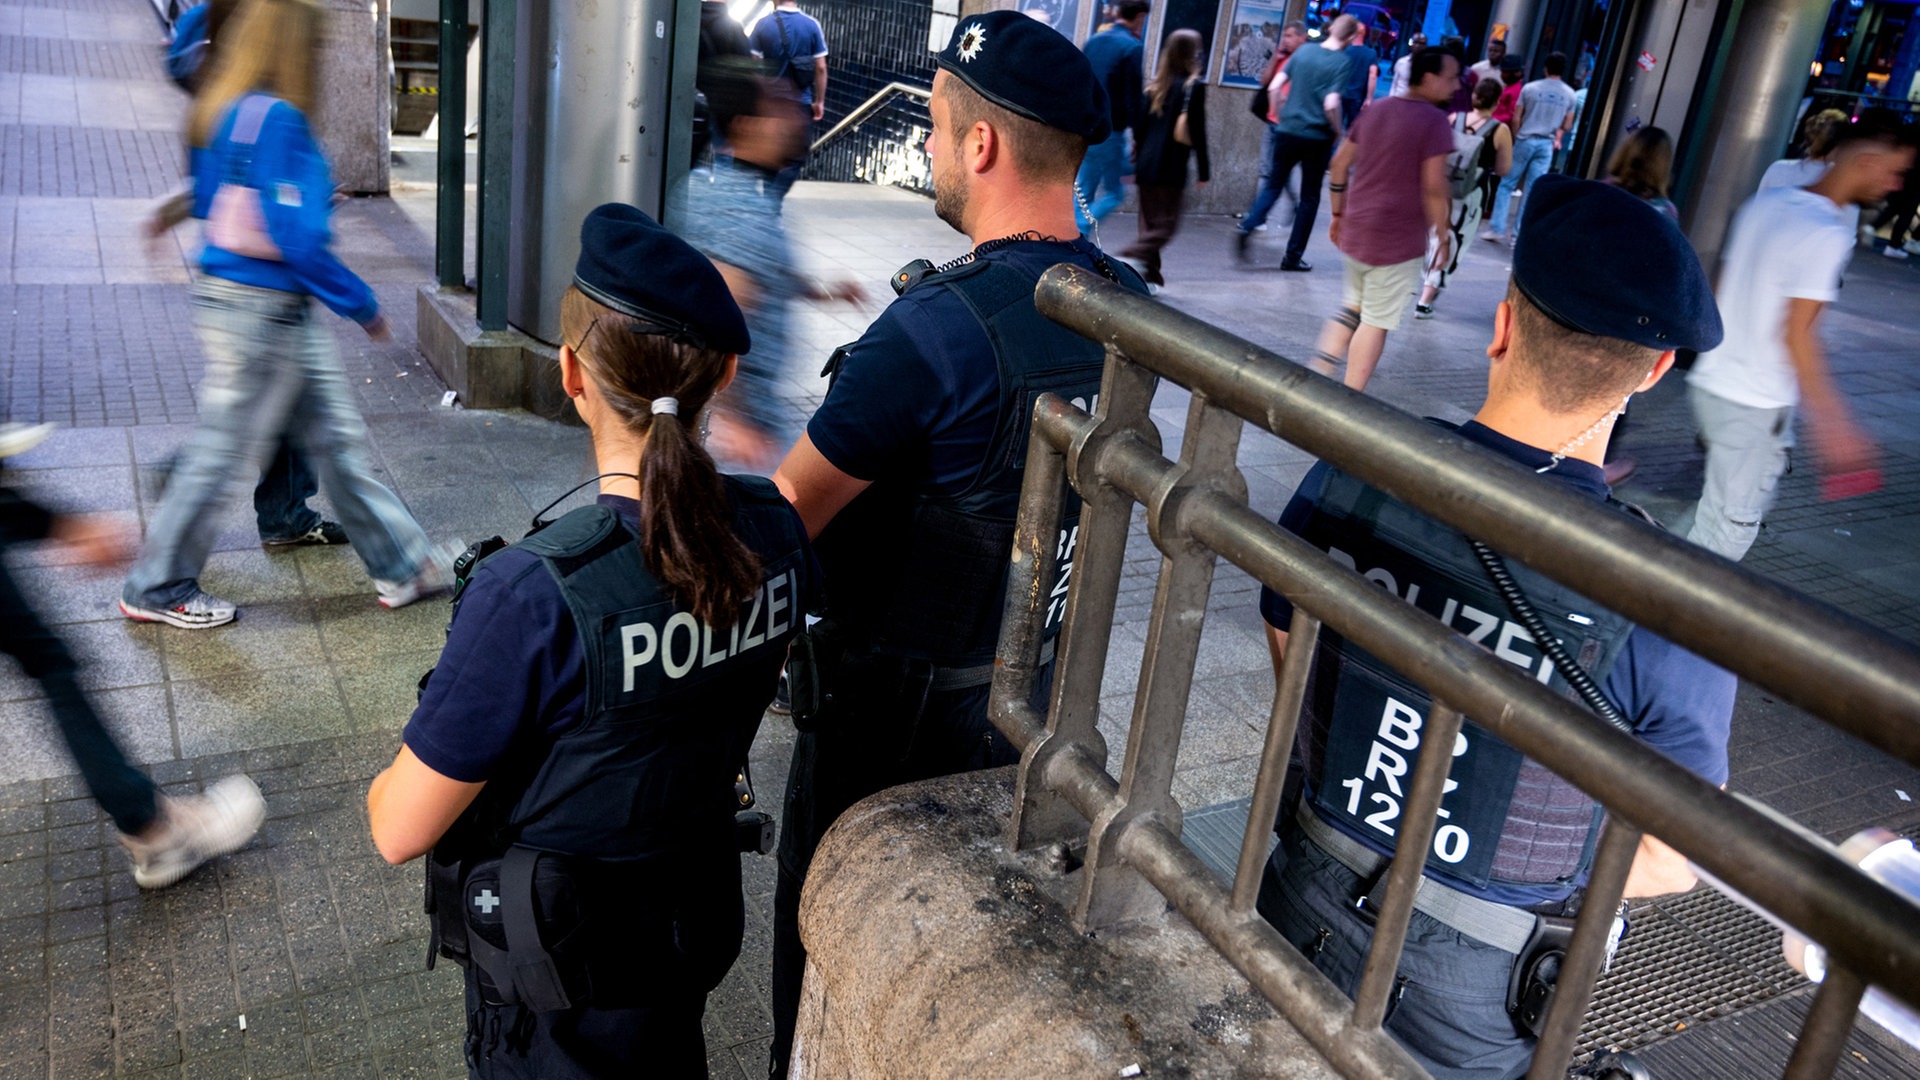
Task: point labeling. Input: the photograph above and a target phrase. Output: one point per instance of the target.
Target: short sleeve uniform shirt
(916, 397)
(513, 676)
(1678, 703)
(1786, 244)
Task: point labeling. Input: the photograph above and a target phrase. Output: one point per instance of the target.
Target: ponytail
(686, 523)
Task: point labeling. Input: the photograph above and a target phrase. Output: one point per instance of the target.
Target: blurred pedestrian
(1641, 167)
(1475, 169)
(1897, 218)
(1403, 67)
(1396, 156)
(1363, 74)
(166, 836)
(735, 222)
(1513, 79)
(1543, 116)
(280, 507)
(1817, 133)
(1174, 132)
(1492, 65)
(1779, 271)
(1310, 119)
(795, 49)
(1273, 95)
(273, 368)
(1117, 55)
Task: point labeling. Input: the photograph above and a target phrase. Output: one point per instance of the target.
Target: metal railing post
(1112, 892)
(496, 159)
(450, 209)
(1823, 1035)
(1303, 636)
(1587, 952)
(1417, 823)
(1040, 814)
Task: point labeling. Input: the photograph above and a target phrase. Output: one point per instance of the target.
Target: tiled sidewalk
(307, 934)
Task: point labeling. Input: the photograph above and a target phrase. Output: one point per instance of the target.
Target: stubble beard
(950, 198)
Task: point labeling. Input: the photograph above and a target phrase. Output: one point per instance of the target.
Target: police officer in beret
(909, 473)
(570, 769)
(1514, 842)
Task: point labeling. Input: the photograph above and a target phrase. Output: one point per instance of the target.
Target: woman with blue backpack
(264, 190)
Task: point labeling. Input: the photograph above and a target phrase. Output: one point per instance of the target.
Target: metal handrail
(867, 107)
(1851, 675)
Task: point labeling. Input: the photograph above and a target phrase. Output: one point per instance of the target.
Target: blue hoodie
(296, 197)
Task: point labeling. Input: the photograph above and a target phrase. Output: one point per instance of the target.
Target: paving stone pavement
(307, 934)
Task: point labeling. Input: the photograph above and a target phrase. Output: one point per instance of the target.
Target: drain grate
(1758, 1042)
(1688, 958)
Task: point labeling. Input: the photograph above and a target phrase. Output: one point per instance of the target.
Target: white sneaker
(435, 575)
(194, 828)
(1913, 247)
(1892, 252)
(197, 612)
(18, 438)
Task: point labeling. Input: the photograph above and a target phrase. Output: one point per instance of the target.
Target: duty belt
(963, 678)
(1499, 925)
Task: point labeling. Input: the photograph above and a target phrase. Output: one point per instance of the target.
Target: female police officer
(570, 765)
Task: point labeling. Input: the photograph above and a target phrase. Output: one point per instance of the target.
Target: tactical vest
(924, 575)
(536, 879)
(1505, 819)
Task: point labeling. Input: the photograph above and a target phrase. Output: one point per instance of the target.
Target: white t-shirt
(1786, 243)
(1485, 69)
(1402, 76)
(1793, 172)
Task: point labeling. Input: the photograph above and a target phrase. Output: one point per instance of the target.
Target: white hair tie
(670, 406)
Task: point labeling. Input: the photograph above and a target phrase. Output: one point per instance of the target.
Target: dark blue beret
(1027, 67)
(1596, 259)
(639, 268)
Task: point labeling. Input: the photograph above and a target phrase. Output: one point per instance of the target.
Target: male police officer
(909, 474)
(1515, 841)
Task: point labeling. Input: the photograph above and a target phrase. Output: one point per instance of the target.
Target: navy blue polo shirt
(916, 397)
(513, 674)
(1678, 703)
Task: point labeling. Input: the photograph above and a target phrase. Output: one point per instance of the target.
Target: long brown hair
(1179, 61)
(686, 525)
(270, 45)
(1644, 163)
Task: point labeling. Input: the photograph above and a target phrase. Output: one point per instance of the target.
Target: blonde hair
(270, 45)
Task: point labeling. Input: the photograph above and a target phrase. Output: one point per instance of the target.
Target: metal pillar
(1772, 46)
(1519, 17)
(449, 256)
(496, 161)
(593, 119)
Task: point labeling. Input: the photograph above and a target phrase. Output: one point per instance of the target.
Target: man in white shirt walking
(1781, 268)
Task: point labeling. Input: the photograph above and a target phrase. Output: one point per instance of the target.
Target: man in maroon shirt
(1396, 157)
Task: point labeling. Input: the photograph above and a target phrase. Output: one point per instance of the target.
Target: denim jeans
(280, 499)
(1448, 1007)
(1311, 156)
(1531, 156)
(1099, 180)
(272, 369)
(123, 791)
